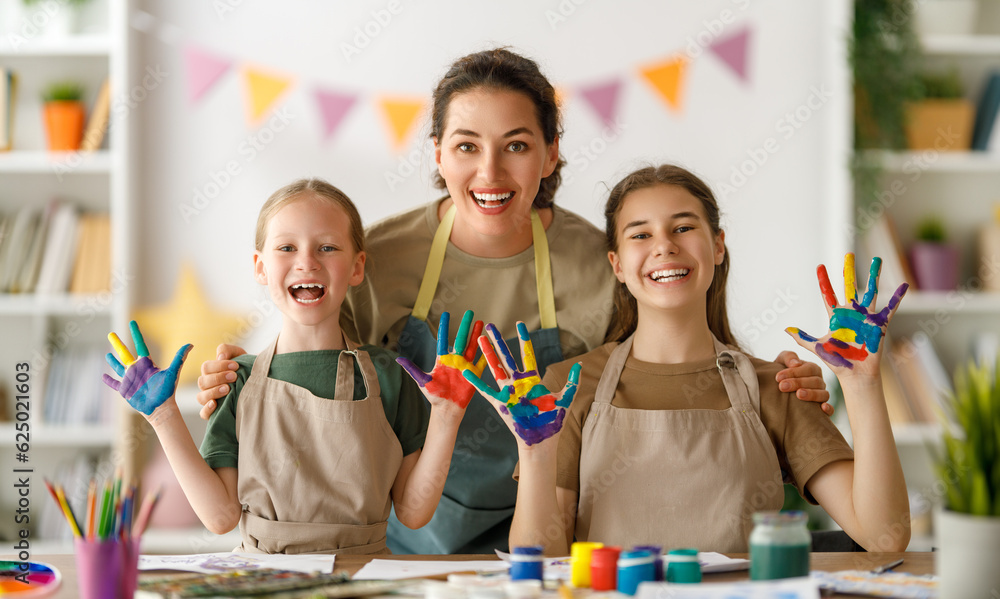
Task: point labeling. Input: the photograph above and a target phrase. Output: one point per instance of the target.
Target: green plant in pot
(933, 260)
(968, 466)
(942, 119)
(64, 113)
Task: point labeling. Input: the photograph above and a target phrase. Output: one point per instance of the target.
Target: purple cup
(106, 569)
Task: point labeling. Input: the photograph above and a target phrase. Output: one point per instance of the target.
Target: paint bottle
(657, 552)
(579, 563)
(526, 563)
(989, 253)
(604, 568)
(779, 545)
(683, 566)
(635, 567)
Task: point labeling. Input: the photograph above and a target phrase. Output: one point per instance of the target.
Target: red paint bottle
(604, 568)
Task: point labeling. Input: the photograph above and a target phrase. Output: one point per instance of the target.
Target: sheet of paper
(207, 563)
(716, 562)
(392, 569)
(789, 588)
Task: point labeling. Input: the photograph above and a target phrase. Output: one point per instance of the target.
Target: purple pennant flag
(603, 99)
(733, 51)
(333, 106)
(203, 70)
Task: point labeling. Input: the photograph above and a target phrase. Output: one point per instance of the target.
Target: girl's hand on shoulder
(444, 386)
(532, 412)
(853, 344)
(805, 379)
(216, 375)
(144, 386)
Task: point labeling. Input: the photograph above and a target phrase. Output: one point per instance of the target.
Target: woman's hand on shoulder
(216, 375)
(532, 412)
(805, 379)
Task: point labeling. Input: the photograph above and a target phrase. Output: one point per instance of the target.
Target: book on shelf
(882, 240)
(97, 125)
(8, 83)
(986, 114)
(74, 392)
(17, 245)
(60, 247)
(92, 266)
(33, 261)
(922, 377)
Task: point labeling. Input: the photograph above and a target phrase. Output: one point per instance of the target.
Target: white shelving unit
(33, 325)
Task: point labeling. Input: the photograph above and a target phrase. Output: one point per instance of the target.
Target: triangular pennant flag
(667, 78)
(203, 70)
(603, 99)
(333, 106)
(262, 91)
(733, 51)
(400, 114)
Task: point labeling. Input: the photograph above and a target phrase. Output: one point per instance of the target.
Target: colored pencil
(68, 511)
(91, 504)
(105, 511)
(144, 513)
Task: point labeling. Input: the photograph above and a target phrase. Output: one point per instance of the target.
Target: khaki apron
(677, 478)
(315, 474)
(477, 504)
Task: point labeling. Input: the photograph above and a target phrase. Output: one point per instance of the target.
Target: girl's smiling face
(308, 260)
(667, 251)
(492, 155)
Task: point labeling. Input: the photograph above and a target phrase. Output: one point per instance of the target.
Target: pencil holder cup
(106, 569)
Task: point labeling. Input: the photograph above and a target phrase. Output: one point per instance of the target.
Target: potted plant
(933, 260)
(64, 114)
(968, 465)
(942, 118)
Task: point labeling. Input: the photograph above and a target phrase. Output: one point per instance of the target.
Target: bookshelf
(37, 327)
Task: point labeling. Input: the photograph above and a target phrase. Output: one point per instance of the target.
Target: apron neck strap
(345, 370)
(435, 262)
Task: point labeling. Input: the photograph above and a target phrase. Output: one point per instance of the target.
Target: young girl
(318, 438)
(497, 244)
(675, 437)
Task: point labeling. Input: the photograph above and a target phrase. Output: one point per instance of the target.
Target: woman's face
(492, 155)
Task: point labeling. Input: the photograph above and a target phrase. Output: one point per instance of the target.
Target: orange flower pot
(64, 125)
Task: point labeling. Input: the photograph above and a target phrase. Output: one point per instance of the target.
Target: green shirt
(404, 405)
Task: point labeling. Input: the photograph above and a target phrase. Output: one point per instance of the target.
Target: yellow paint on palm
(850, 284)
(124, 355)
(845, 335)
(453, 361)
(523, 386)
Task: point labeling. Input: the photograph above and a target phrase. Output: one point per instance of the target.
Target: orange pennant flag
(263, 89)
(401, 114)
(667, 78)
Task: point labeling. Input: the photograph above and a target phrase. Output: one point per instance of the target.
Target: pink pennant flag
(733, 51)
(203, 70)
(333, 106)
(603, 99)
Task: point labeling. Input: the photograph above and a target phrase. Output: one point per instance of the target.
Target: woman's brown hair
(502, 70)
(626, 315)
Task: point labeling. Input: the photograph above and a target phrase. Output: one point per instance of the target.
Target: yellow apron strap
(543, 273)
(435, 260)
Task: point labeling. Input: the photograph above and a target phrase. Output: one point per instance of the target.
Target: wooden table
(913, 562)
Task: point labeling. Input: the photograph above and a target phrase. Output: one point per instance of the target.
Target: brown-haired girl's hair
(626, 315)
(502, 70)
(317, 188)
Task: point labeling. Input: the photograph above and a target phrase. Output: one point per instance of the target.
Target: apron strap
(613, 371)
(733, 363)
(435, 262)
(344, 391)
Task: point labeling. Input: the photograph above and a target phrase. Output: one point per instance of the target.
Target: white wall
(784, 220)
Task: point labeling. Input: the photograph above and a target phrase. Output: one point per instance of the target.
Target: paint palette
(42, 579)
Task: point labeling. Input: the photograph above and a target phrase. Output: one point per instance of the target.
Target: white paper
(716, 562)
(392, 569)
(788, 588)
(208, 563)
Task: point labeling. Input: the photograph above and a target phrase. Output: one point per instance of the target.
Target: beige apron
(677, 478)
(315, 474)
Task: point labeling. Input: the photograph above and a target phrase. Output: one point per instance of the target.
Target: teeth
(671, 274)
(307, 286)
(305, 301)
(492, 197)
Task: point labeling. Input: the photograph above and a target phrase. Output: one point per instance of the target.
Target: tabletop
(913, 562)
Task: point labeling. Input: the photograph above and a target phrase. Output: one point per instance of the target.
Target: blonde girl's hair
(301, 189)
(625, 318)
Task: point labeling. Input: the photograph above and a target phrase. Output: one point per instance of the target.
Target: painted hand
(855, 331)
(445, 382)
(532, 412)
(143, 385)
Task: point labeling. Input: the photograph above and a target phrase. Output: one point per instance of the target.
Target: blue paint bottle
(635, 567)
(526, 563)
(657, 552)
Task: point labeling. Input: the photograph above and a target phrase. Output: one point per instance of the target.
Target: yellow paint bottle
(580, 563)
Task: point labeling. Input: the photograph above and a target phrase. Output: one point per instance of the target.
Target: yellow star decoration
(187, 318)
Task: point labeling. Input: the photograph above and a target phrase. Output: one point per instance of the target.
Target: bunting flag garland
(333, 107)
(263, 90)
(603, 99)
(667, 78)
(203, 70)
(733, 51)
(401, 114)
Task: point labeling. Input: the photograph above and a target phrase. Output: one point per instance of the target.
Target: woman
(497, 245)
